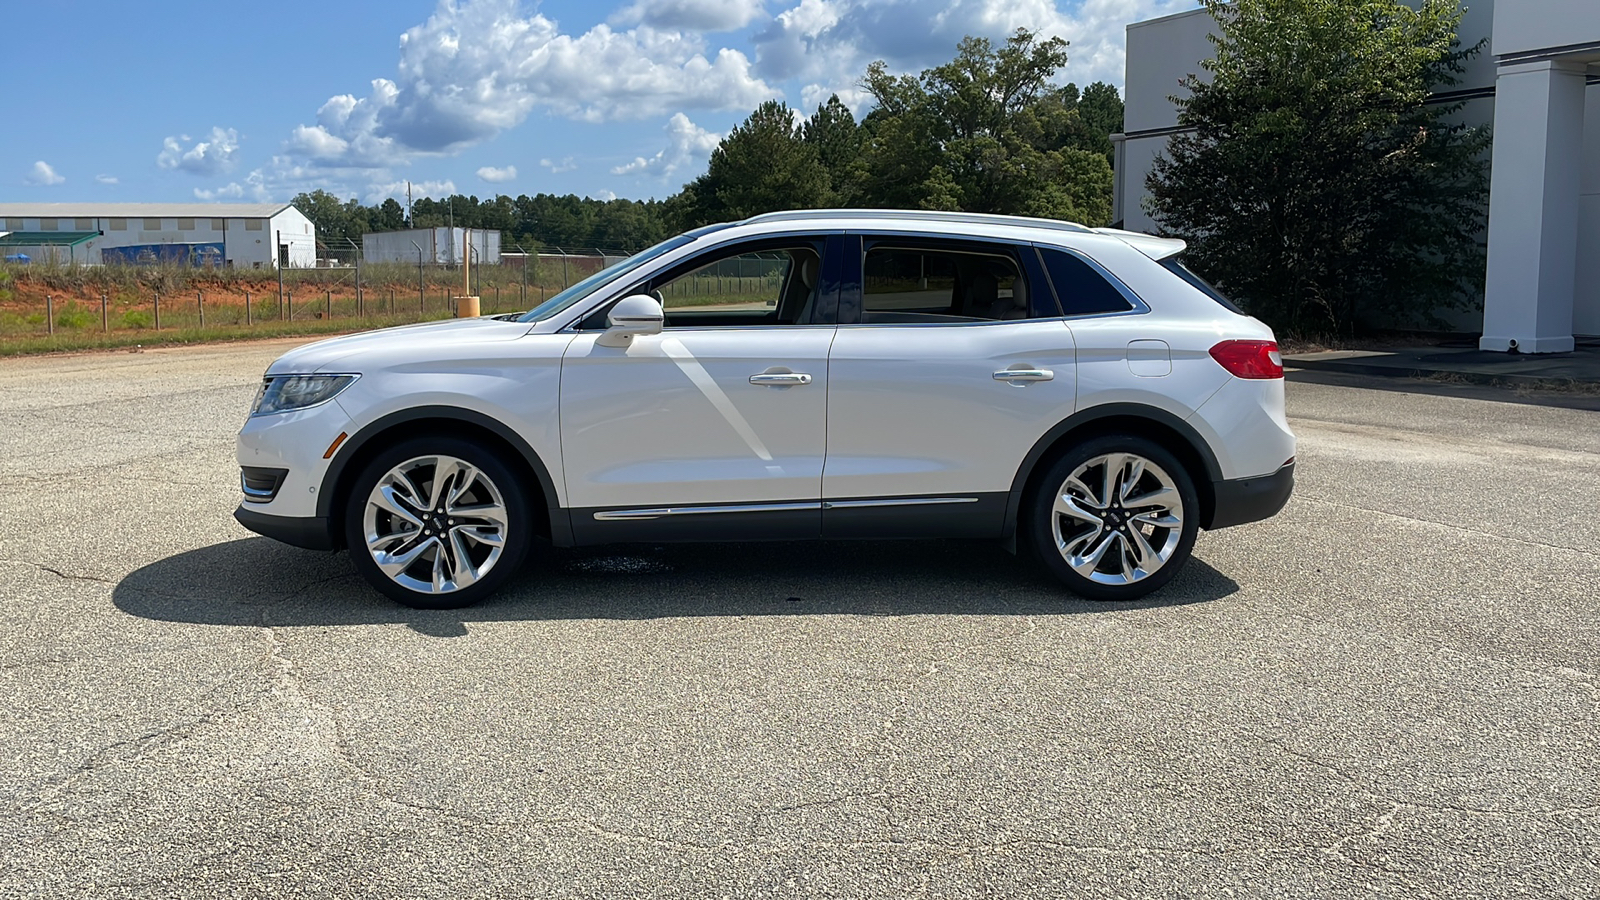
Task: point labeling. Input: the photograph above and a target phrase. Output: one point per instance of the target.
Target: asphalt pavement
(1388, 690)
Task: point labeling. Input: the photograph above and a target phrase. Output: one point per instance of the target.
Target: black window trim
(1139, 306)
(1029, 265)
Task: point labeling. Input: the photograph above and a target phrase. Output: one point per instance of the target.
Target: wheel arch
(385, 431)
(1148, 422)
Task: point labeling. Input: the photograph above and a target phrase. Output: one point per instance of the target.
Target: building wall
(1163, 51)
(291, 227)
(238, 243)
(440, 246)
(1527, 26)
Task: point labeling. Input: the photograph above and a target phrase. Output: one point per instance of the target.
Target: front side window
(769, 286)
(602, 278)
(903, 283)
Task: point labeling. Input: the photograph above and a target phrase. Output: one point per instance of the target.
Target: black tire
(455, 535)
(1176, 539)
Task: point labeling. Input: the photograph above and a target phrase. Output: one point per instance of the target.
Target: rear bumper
(311, 532)
(1241, 500)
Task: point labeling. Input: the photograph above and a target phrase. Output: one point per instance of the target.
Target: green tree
(1318, 185)
(763, 165)
(984, 132)
(832, 129)
(328, 214)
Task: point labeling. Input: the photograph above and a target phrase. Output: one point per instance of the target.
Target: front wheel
(1115, 517)
(437, 522)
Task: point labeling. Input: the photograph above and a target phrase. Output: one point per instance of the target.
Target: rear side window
(1082, 290)
(904, 283)
(1200, 284)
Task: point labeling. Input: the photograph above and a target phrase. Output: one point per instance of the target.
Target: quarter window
(1082, 290)
(908, 284)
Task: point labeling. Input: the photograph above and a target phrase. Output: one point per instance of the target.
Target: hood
(424, 339)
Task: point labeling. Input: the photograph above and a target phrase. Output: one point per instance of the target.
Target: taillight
(1249, 359)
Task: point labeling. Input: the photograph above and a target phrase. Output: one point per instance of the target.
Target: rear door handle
(1018, 375)
(781, 378)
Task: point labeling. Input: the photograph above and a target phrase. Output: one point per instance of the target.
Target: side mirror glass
(634, 315)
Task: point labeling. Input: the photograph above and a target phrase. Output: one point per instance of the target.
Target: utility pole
(421, 295)
(277, 259)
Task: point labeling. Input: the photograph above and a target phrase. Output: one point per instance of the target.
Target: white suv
(819, 374)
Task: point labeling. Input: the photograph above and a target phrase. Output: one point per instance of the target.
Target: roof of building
(137, 210)
(46, 238)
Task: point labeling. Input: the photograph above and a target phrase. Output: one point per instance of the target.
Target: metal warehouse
(221, 235)
(434, 246)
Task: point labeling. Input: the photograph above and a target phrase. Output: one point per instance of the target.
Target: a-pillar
(1533, 207)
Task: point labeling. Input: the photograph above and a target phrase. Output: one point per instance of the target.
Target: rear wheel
(1115, 517)
(437, 522)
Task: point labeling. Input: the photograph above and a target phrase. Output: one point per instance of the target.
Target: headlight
(282, 393)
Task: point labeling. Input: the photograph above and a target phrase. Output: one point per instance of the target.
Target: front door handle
(781, 378)
(1016, 376)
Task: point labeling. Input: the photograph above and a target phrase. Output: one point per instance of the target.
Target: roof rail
(921, 215)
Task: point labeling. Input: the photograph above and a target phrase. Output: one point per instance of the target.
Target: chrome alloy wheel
(1117, 519)
(435, 524)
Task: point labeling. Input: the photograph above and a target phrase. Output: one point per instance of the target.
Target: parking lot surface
(1390, 689)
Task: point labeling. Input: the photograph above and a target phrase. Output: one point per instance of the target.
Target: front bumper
(310, 532)
(1241, 500)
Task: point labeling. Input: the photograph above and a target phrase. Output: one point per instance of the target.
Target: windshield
(608, 275)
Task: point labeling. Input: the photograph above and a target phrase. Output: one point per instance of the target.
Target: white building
(434, 246)
(237, 235)
(1534, 83)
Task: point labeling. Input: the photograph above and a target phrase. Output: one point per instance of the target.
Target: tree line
(1318, 175)
(988, 131)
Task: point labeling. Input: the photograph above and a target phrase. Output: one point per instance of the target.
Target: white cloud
(478, 67)
(814, 95)
(687, 143)
(377, 193)
(107, 179)
(211, 156)
(255, 185)
(691, 15)
(607, 196)
(42, 174)
(556, 168)
(498, 175)
(828, 43)
(230, 191)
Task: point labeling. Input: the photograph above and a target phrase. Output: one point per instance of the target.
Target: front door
(715, 428)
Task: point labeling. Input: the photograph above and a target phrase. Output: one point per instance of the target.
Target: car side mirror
(634, 315)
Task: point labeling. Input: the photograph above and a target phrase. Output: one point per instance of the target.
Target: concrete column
(1533, 207)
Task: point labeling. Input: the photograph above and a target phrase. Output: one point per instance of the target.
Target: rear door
(950, 361)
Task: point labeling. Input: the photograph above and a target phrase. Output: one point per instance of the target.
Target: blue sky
(183, 100)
